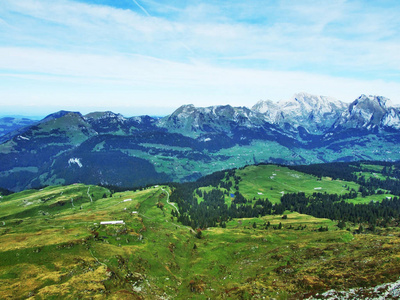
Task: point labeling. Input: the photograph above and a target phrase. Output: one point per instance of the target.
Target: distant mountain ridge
(195, 141)
(316, 114)
(11, 124)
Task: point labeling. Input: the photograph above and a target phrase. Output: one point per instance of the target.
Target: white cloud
(205, 53)
(121, 78)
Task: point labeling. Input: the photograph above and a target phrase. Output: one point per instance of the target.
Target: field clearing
(373, 168)
(368, 199)
(271, 181)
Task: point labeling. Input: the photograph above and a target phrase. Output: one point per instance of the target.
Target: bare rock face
(383, 291)
(369, 112)
(314, 113)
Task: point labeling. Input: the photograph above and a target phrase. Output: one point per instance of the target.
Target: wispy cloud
(187, 51)
(141, 7)
(157, 81)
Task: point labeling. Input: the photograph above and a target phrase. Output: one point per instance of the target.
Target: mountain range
(110, 149)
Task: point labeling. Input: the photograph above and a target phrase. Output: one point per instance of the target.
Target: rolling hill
(53, 243)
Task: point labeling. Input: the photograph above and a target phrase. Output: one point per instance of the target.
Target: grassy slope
(52, 250)
(271, 181)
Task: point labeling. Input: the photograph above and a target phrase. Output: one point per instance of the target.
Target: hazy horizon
(134, 111)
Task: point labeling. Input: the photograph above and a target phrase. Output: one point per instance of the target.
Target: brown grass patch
(84, 285)
(38, 239)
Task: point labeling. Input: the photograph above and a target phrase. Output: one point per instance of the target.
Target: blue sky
(149, 57)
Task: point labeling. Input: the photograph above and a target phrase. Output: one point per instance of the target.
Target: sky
(138, 57)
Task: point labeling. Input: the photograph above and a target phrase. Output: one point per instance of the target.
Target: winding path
(97, 259)
(170, 203)
(91, 200)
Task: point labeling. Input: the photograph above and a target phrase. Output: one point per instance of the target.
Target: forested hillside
(362, 192)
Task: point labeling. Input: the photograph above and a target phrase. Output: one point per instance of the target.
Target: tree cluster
(332, 206)
(199, 208)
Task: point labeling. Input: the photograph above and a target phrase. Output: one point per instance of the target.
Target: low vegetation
(52, 244)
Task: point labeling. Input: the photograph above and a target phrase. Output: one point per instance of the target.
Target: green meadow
(52, 245)
(271, 181)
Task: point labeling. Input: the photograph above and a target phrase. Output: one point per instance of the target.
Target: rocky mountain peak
(269, 109)
(313, 113)
(195, 121)
(369, 112)
(314, 102)
(265, 106)
(371, 103)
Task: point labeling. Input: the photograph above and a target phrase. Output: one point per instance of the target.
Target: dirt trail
(170, 203)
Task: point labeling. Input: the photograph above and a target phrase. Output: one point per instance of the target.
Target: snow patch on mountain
(205, 140)
(76, 161)
(23, 138)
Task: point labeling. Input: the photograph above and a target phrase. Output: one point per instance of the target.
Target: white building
(112, 222)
